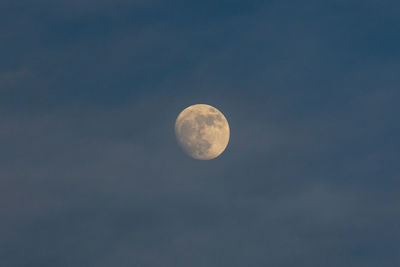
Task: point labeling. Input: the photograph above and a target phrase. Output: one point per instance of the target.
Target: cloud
(111, 186)
(91, 173)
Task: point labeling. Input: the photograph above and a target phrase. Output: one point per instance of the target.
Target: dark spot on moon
(187, 129)
(210, 119)
(207, 119)
(190, 129)
(200, 147)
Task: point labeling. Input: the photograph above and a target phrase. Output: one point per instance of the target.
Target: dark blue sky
(91, 174)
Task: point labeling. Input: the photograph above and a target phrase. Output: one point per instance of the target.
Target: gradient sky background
(90, 171)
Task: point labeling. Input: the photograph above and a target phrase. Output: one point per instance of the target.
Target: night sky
(90, 170)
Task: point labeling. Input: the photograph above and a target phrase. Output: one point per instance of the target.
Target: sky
(90, 170)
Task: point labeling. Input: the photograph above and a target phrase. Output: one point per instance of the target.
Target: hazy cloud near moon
(93, 170)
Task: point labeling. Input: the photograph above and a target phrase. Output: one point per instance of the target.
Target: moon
(202, 131)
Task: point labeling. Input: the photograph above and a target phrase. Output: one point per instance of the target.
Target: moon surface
(202, 131)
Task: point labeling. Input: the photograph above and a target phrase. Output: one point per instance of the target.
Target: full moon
(202, 131)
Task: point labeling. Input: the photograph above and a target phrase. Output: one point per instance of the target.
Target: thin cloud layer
(91, 174)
